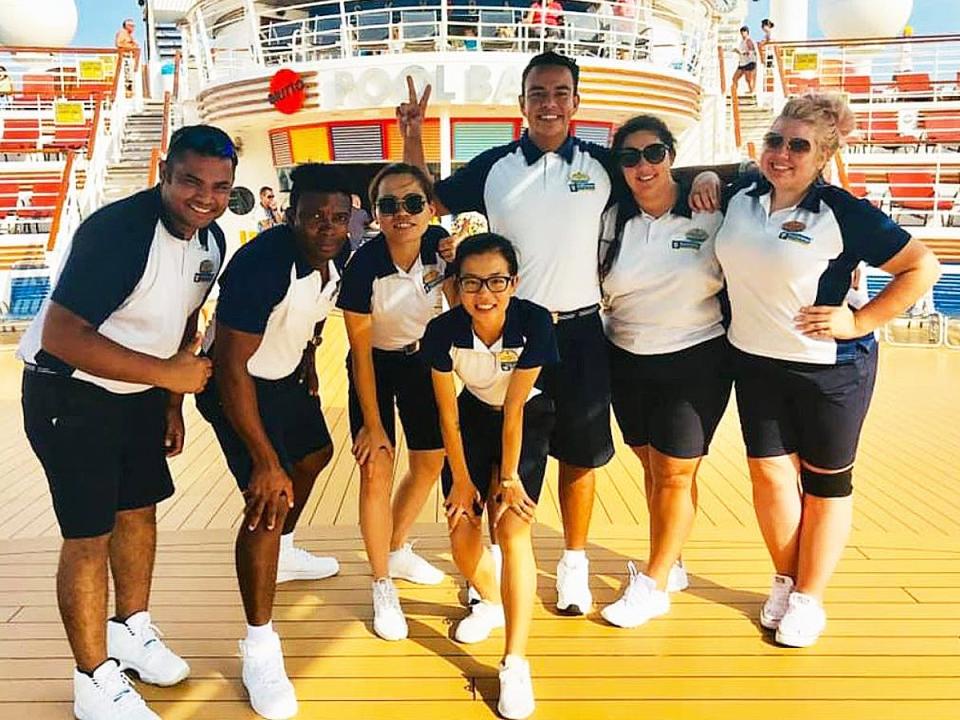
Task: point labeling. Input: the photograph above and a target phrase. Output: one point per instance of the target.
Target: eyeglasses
(412, 203)
(494, 283)
(655, 153)
(796, 145)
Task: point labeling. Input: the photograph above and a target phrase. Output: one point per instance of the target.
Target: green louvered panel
(472, 138)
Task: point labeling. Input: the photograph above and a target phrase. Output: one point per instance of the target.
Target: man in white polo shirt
(274, 298)
(107, 361)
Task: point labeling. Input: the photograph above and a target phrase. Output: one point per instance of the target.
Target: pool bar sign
(287, 91)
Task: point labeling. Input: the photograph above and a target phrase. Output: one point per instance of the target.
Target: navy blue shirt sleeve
(255, 281)
(356, 284)
(463, 191)
(436, 343)
(101, 270)
(541, 341)
(868, 233)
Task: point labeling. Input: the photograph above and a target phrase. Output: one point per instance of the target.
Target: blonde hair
(831, 118)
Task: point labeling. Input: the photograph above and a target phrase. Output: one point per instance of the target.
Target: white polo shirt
(401, 302)
(528, 341)
(269, 289)
(136, 284)
(661, 292)
(549, 206)
(776, 263)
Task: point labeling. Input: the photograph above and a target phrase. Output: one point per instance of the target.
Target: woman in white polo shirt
(668, 355)
(805, 359)
(497, 435)
(391, 288)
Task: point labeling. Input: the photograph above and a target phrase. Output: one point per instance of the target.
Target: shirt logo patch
(508, 360)
(581, 181)
(692, 240)
(205, 272)
(794, 226)
(432, 279)
(797, 237)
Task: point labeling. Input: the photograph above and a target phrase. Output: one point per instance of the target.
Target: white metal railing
(107, 150)
(228, 36)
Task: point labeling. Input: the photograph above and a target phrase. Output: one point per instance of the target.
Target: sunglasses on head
(796, 145)
(654, 154)
(495, 283)
(412, 203)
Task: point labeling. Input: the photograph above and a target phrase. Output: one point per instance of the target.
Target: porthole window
(241, 200)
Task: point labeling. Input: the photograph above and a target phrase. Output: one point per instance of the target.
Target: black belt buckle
(412, 348)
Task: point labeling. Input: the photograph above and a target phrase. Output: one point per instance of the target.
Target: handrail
(177, 60)
(735, 105)
(62, 196)
(117, 72)
(912, 40)
(723, 70)
(165, 131)
(59, 50)
(94, 129)
(752, 151)
(154, 167)
(841, 171)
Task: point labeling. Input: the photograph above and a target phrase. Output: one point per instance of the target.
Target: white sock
(513, 660)
(259, 633)
(574, 557)
(286, 541)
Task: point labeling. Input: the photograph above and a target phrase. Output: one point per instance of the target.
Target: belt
(409, 349)
(36, 369)
(573, 314)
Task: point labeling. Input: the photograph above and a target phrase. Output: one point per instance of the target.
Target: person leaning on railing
(805, 360)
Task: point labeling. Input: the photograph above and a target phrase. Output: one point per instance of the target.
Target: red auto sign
(287, 91)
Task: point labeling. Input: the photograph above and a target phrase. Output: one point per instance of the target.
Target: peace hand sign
(410, 114)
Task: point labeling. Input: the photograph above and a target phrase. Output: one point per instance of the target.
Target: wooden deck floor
(891, 650)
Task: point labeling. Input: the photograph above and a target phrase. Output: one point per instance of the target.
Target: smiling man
(107, 361)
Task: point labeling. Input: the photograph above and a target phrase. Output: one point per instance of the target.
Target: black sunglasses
(655, 153)
(412, 203)
(796, 145)
(495, 283)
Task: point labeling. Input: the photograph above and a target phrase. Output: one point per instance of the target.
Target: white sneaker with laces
(803, 621)
(678, 581)
(108, 695)
(640, 602)
(407, 565)
(573, 587)
(296, 563)
(264, 676)
(388, 620)
(473, 597)
(776, 605)
(483, 619)
(516, 689)
(136, 645)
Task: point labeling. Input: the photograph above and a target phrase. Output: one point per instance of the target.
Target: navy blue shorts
(102, 452)
(405, 380)
(291, 417)
(816, 411)
(481, 429)
(580, 387)
(673, 401)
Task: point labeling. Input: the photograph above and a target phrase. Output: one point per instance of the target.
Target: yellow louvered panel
(431, 141)
(310, 144)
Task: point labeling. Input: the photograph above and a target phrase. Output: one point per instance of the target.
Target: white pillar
(790, 18)
(446, 145)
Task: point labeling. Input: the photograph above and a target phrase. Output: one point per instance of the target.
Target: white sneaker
(473, 597)
(573, 587)
(677, 580)
(640, 602)
(271, 693)
(776, 605)
(483, 619)
(803, 621)
(388, 620)
(136, 645)
(407, 565)
(516, 689)
(297, 564)
(108, 695)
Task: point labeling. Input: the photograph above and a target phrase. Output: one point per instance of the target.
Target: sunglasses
(412, 203)
(654, 154)
(796, 145)
(494, 283)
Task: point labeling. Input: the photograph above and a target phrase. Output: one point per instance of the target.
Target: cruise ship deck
(891, 648)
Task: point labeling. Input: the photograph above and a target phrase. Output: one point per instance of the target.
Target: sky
(930, 17)
(100, 19)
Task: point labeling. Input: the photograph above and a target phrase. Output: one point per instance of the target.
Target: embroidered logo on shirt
(793, 230)
(432, 279)
(508, 360)
(692, 240)
(581, 181)
(206, 271)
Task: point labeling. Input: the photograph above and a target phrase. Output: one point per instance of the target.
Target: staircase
(755, 121)
(141, 134)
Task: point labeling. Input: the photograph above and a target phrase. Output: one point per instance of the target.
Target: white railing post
(205, 45)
